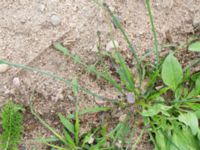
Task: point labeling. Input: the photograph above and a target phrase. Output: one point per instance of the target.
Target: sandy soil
(27, 34)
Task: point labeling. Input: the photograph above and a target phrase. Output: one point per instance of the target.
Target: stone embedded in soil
(16, 82)
(3, 68)
(100, 102)
(55, 20)
(91, 140)
(111, 45)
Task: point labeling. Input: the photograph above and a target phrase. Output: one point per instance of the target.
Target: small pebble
(112, 8)
(119, 144)
(41, 7)
(91, 140)
(16, 82)
(3, 68)
(111, 45)
(100, 102)
(55, 20)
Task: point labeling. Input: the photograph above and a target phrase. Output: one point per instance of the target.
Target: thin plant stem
(43, 122)
(154, 31)
(56, 77)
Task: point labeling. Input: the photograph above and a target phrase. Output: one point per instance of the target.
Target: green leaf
(184, 140)
(190, 119)
(12, 121)
(172, 73)
(91, 69)
(77, 59)
(125, 73)
(195, 76)
(86, 139)
(62, 49)
(155, 109)
(96, 109)
(69, 139)
(47, 139)
(67, 124)
(198, 114)
(110, 79)
(75, 86)
(196, 91)
(161, 141)
(77, 127)
(198, 135)
(158, 93)
(195, 47)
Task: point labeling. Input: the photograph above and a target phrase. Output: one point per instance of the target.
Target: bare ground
(27, 34)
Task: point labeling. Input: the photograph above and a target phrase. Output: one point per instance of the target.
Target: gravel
(3, 68)
(55, 20)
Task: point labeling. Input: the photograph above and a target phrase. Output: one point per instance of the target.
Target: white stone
(55, 20)
(91, 140)
(3, 68)
(111, 45)
(16, 82)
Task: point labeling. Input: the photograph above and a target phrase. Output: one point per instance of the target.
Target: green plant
(12, 126)
(167, 96)
(170, 98)
(71, 138)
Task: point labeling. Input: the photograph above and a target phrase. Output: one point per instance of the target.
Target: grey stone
(55, 20)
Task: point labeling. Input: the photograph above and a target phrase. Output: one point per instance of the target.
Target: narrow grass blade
(110, 79)
(54, 146)
(153, 30)
(125, 74)
(48, 139)
(77, 128)
(158, 93)
(67, 124)
(75, 87)
(90, 111)
(91, 69)
(44, 123)
(61, 48)
(48, 127)
(69, 139)
(56, 77)
(119, 26)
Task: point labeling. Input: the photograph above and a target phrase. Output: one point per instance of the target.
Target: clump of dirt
(28, 31)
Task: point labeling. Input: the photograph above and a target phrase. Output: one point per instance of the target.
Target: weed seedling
(12, 126)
